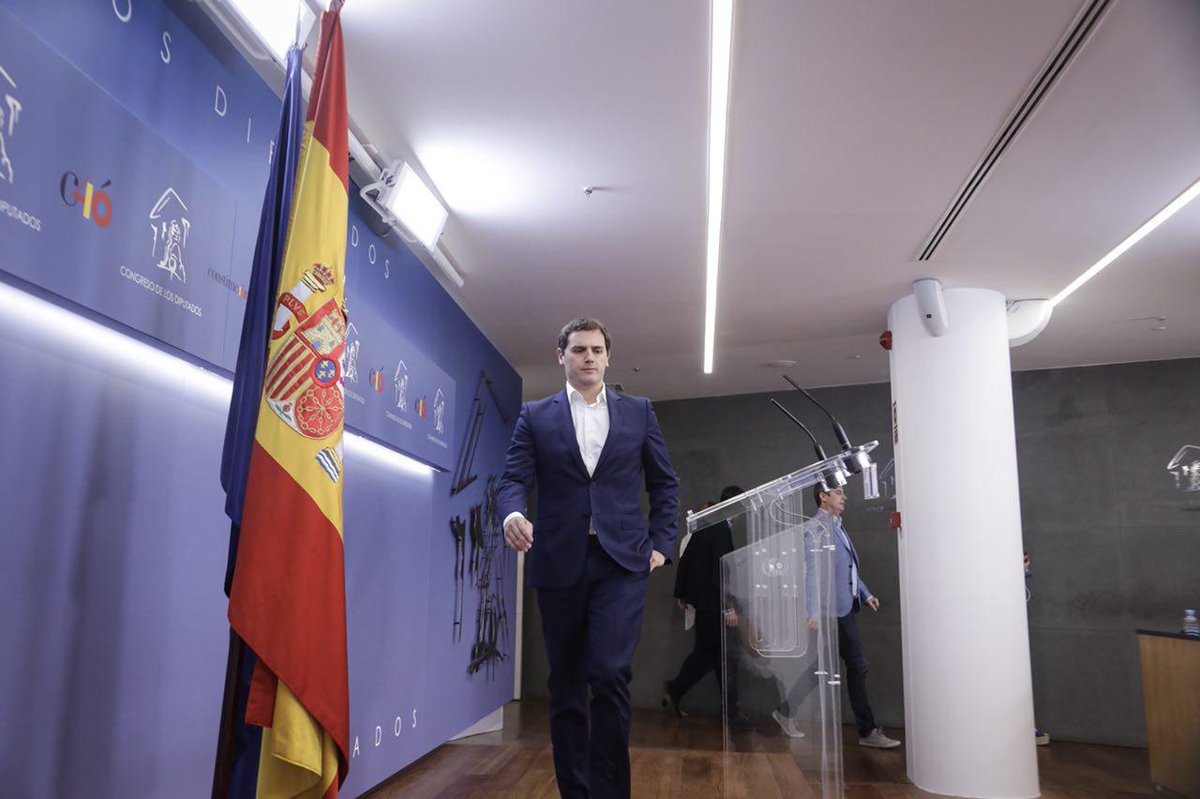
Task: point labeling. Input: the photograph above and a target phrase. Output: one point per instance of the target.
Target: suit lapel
(614, 416)
(566, 426)
(847, 542)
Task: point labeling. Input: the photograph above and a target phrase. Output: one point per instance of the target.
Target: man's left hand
(657, 559)
(873, 603)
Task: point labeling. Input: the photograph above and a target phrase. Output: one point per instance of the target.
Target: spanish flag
(287, 598)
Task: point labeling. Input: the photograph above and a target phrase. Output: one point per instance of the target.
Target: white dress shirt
(591, 425)
(591, 431)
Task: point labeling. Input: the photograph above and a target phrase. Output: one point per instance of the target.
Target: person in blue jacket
(589, 451)
(849, 594)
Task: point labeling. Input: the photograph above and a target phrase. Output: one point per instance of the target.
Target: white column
(968, 691)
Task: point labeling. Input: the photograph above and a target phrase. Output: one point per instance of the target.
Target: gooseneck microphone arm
(838, 430)
(816, 445)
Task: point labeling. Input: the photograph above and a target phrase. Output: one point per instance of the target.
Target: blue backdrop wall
(134, 147)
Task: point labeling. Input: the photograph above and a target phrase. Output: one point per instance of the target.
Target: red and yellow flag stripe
(288, 597)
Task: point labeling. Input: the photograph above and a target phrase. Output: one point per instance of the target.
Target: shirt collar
(828, 518)
(601, 398)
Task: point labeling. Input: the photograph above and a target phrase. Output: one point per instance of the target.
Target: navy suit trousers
(591, 630)
(851, 650)
(712, 636)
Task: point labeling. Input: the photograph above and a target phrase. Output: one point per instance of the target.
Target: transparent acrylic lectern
(781, 680)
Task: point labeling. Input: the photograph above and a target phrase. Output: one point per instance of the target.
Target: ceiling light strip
(1162, 216)
(720, 61)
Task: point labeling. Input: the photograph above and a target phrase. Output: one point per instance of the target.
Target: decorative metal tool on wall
(488, 565)
(466, 457)
(459, 530)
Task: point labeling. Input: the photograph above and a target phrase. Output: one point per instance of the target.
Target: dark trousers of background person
(850, 649)
(706, 656)
(591, 631)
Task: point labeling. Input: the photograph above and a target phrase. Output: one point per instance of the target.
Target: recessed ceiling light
(782, 363)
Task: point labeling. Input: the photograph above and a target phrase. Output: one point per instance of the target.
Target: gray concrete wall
(1115, 542)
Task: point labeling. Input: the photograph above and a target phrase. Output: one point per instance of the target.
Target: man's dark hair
(583, 323)
(818, 490)
(729, 492)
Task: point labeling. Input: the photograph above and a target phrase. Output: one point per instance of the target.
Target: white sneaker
(877, 740)
(1040, 738)
(788, 725)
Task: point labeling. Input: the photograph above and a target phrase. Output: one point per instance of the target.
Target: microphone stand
(831, 478)
(854, 462)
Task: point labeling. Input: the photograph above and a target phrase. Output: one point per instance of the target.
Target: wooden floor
(684, 759)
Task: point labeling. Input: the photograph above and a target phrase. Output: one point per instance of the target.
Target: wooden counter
(1171, 685)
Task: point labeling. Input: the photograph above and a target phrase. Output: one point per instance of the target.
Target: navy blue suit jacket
(544, 452)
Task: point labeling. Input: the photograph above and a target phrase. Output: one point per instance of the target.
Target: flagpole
(299, 17)
(227, 732)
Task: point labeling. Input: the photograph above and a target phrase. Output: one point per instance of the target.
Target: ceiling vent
(1085, 23)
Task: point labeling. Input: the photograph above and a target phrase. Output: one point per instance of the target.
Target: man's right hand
(518, 534)
(813, 624)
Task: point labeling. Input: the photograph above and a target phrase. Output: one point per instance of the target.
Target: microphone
(831, 477)
(855, 461)
(816, 444)
(838, 430)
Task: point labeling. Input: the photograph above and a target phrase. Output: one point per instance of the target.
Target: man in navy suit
(589, 451)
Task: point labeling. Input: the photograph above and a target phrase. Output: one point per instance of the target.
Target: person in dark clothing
(698, 583)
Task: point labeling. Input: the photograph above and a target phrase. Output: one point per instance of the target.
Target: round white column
(968, 691)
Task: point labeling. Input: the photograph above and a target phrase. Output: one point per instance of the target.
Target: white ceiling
(853, 125)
